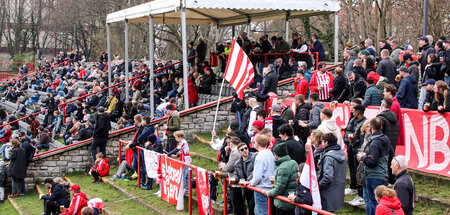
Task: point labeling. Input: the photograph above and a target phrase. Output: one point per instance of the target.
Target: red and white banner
(427, 143)
(308, 179)
(204, 202)
(171, 182)
(151, 163)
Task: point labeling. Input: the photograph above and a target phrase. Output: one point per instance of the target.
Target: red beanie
(374, 75)
(258, 124)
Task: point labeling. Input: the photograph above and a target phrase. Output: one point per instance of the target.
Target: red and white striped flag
(239, 72)
(308, 178)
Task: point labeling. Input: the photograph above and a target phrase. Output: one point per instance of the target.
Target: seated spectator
(101, 168)
(42, 140)
(57, 197)
(4, 137)
(79, 201)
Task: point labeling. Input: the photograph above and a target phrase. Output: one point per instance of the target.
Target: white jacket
(328, 126)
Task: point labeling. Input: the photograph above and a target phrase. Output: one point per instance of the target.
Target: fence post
(317, 60)
(225, 203)
(64, 113)
(269, 205)
(190, 191)
(120, 152)
(139, 168)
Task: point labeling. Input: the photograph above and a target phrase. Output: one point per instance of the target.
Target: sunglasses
(243, 149)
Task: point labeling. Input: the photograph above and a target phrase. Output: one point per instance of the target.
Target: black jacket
(302, 114)
(59, 194)
(18, 164)
(354, 127)
(302, 196)
(340, 84)
(83, 134)
(277, 122)
(390, 126)
(295, 150)
(284, 72)
(359, 70)
(387, 68)
(102, 126)
(270, 83)
(357, 89)
(425, 50)
(405, 191)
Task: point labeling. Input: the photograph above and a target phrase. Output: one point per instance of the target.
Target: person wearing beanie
(285, 179)
(332, 174)
(257, 126)
(373, 95)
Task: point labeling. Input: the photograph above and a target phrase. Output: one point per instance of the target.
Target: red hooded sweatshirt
(102, 167)
(386, 204)
(79, 201)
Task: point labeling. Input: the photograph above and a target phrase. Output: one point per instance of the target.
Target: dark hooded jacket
(390, 126)
(302, 114)
(332, 178)
(407, 92)
(314, 119)
(377, 156)
(59, 194)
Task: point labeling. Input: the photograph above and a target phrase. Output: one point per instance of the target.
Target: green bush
(23, 57)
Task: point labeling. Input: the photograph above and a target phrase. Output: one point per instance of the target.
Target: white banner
(151, 163)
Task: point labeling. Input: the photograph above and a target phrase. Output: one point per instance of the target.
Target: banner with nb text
(427, 144)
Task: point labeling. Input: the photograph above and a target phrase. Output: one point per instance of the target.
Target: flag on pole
(239, 72)
(308, 178)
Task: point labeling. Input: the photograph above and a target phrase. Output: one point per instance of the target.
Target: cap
(248, 95)
(403, 69)
(351, 53)
(429, 81)
(350, 43)
(408, 47)
(365, 52)
(170, 107)
(191, 43)
(258, 124)
(48, 181)
(424, 38)
(443, 38)
(276, 108)
(75, 187)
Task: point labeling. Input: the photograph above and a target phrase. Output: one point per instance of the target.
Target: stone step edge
(14, 204)
(105, 211)
(134, 198)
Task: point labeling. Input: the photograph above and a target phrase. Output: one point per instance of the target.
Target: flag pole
(218, 102)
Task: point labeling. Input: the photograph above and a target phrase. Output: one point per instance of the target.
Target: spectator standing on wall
(101, 132)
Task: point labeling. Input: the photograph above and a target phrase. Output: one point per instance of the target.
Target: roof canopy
(223, 12)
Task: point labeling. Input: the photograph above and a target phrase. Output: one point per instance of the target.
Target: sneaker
(97, 182)
(350, 191)
(357, 201)
(146, 188)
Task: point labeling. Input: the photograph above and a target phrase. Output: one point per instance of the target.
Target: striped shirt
(324, 82)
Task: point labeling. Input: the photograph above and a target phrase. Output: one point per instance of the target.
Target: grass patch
(203, 149)
(108, 194)
(30, 203)
(427, 209)
(432, 190)
(7, 208)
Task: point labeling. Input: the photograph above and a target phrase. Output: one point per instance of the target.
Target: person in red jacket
(389, 92)
(101, 168)
(388, 203)
(193, 94)
(300, 84)
(322, 82)
(4, 138)
(79, 201)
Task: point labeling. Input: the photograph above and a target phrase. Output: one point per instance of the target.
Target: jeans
(186, 177)
(143, 172)
(261, 207)
(50, 89)
(369, 195)
(447, 80)
(66, 137)
(238, 117)
(42, 146)
(16, 184)
(159, 114)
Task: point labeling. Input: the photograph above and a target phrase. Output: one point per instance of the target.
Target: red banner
(171, 177)
(427, 145)
(204, 202)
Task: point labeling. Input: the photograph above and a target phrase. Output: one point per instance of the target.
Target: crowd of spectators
(259, 145)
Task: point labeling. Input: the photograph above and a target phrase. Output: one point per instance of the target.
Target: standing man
(254, 108)
(191, 53)
(244, 170)
(314, 117)
(387, 68)
(170, 126)
(318, 47)
(396, 50)
(425, 49)
(201, 50)
(322, 82)
(373, 95)
(407, 92)
(349, 57)
(295, 149)
(270, 82)
(389, 92)
(286, 112)
(301, 114)
(264, 168)
(331, 174)
(101, 132)
(375, 160)
(404, 185)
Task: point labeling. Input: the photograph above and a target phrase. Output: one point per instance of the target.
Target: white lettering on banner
(438, 146)
(410, 133)
(173, 191)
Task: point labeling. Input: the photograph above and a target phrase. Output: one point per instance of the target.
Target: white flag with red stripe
(239, 72)
(308, 178)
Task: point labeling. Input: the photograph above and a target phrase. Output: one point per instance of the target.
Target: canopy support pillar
(150, 65)
(108, 44)
(185, 63)
(287, 30)
(336, 37)
(127, 89)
